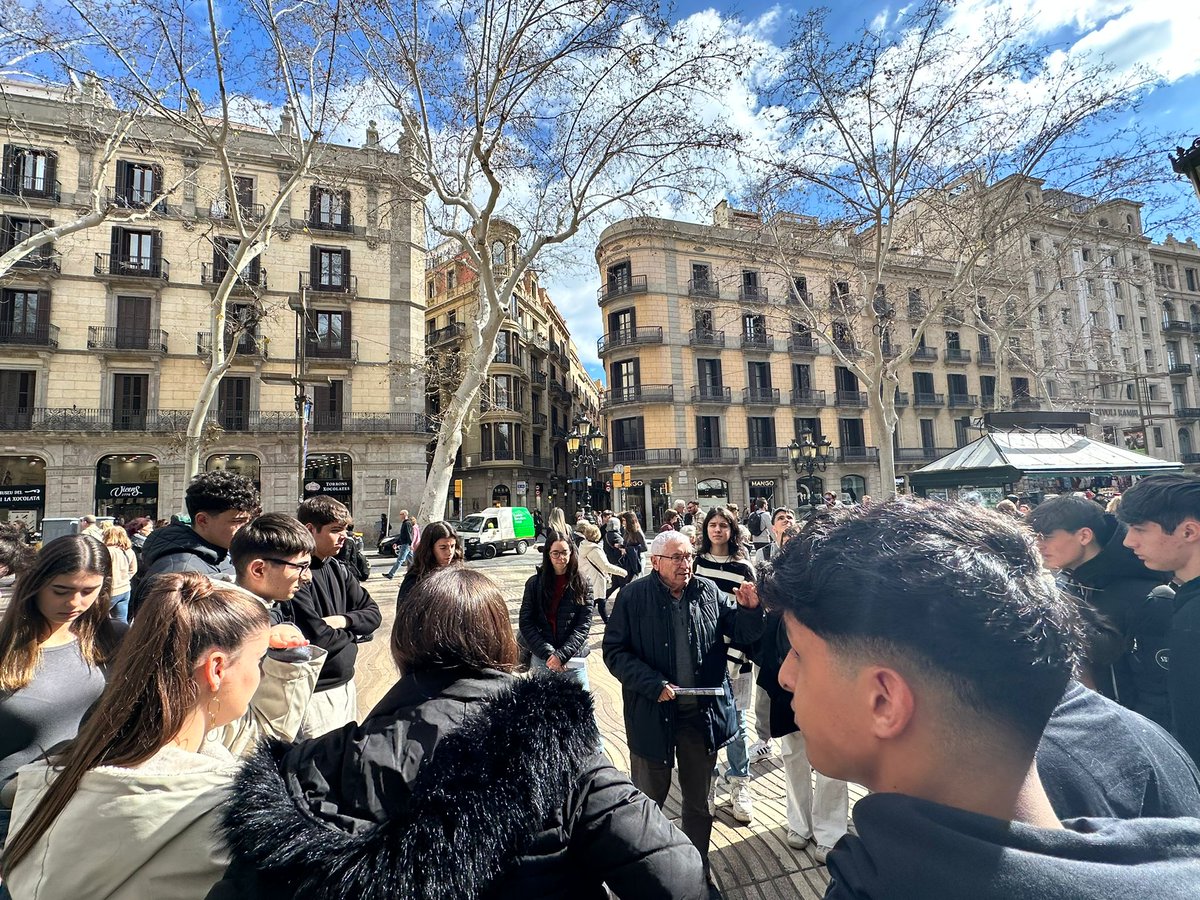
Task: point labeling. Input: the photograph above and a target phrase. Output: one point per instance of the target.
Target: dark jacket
(333, 591)
(639, 649)
(569, 640)
(406, 532)
(632, 558)
(911, 849)
(351, 556)
(1183, 677)
(177, 548)
(407, 583)
(1114, 584)
(769, 656)
(1100, 760)
(457, 785)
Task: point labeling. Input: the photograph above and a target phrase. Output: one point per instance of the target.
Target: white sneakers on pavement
(760, 750)
(741, 800)
(797, 841)
(822, 854)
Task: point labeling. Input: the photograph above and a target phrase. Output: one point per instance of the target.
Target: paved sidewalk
(749, 862)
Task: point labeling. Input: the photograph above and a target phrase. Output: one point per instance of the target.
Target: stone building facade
(106, 335)
(514, 449)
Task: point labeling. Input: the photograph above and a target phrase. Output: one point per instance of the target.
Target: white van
(496, 530)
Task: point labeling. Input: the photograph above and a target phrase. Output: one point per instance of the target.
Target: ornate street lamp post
(585, 448)
(810, 457)
(1187, 162)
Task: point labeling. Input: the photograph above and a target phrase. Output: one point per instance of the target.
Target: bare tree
(911, 152)
(201, 75)
(548, 116)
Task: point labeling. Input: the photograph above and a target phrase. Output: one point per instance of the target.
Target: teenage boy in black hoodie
(926, 652)
(219, 503)
(334, 612)
(1085, 545)
(1163, 515)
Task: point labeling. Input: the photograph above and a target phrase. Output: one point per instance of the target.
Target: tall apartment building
(106, 335)
(712, 370)
(1176, 314)
(514, 449)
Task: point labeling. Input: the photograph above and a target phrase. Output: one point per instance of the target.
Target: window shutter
(51, 174)
(124, 181)
(345, 220)
(346, 268)
(254, 270)
(118, 238)
(637, 374)
(43, 312)
(6, 233)
(314, 265)
(157, 171)
(314, 205)
(220, 258)
(346, 329)
(8, 175)
(156, 261)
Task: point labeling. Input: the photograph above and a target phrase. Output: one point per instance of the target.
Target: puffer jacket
(459, 784)
(639, 649)
(567, 638)
(177, 548)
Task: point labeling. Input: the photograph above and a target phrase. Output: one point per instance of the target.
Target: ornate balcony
(858, 454)
(340, 285)
(626, 337)
(855, 399)
(757, 342)
(621, 287)
(699, 337)
(710, 393)
(963, 401)
(717, 456)
(925, 354)
(807, 398)
(126, 340)
(642, 393)
(671, 456)
(760, 396)
(803, 343)
(21, 335)
(704, 287)
(928, 400)
(957, 355)
(132, 267)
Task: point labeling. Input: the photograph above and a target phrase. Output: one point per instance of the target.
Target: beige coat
(596, 569)
(124, 567)
(149, 831)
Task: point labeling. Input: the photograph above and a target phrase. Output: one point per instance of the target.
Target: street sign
(618, 470)
(521, 487)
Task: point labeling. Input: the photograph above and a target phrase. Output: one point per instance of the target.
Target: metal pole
(301, 394)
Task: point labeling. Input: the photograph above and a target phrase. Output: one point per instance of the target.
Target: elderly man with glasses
(664, 644)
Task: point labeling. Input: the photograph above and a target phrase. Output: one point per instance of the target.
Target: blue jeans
(735, 750)
(403, 552)
(120, 606)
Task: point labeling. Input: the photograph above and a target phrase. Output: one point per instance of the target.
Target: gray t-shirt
(48, 710)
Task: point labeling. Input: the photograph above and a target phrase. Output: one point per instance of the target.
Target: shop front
(501, 496)
(331, 474)
(127, 486)
(247, 464)
(712, 492)
(22, 489)
(762, 489)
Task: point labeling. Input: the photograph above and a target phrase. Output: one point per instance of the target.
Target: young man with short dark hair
(926, 653)
(334, 612)
(219, 503)
(272, 556)
(1077, 538)
(1163, 515)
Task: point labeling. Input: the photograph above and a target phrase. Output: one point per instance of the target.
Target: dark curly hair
(221, 490)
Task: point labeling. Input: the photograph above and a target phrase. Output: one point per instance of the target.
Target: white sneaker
(822, 854)
(760, 750)
(797, 841)
(741, 800)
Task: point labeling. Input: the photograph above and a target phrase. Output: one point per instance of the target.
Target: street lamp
(1188, 163)
(810, 456)
(585, 448)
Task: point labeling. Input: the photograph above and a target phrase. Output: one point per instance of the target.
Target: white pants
(822, 814)
(330, 709)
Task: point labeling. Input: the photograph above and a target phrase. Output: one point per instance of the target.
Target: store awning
(1003, 457)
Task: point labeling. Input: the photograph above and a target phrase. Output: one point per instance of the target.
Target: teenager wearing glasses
(556, 610)
(667, 632)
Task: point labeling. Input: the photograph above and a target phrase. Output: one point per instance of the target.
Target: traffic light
(669, 490)
(457, 488)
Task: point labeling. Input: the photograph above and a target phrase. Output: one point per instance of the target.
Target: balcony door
(130, 402)
(626, 380)
(233, 403)
(328, 406)
(133, 323)
(24, 315)
(620, 278)
(16, 399)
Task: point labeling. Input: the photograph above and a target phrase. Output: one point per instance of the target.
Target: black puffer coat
(574, 621)
(457, 785)
(639, 649)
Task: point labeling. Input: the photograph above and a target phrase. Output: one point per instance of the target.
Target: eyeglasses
(560, 554)
(678, 558)
(300, 567)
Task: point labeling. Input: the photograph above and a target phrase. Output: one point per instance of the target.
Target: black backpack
(757, 525)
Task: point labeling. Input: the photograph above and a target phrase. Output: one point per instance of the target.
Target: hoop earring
(214, 708)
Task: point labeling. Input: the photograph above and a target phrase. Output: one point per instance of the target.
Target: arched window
(855, 486)
(810, 489)
(499, 254)
(1185, 442)
(501, 496)
(712, 492)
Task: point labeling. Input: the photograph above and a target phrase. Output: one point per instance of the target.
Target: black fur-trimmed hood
(473, 807)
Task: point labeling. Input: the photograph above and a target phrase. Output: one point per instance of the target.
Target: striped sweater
(728, 574)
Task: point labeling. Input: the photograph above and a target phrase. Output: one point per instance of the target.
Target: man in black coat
(1086, 547)
(665, 634)
(1163, 515)
(335, 613)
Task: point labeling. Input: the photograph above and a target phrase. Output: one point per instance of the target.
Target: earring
(214, 709)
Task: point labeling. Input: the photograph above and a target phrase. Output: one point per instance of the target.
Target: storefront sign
(337, 486)
(17, 496)
(139, 491)
(762, 482)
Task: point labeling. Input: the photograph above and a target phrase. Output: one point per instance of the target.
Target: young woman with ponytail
(150, 765)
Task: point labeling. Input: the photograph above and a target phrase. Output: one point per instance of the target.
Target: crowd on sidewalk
(1018, 692)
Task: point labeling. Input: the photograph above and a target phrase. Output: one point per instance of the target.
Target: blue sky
(1158, 35)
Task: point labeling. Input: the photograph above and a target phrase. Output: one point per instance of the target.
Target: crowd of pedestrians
(1019, 690)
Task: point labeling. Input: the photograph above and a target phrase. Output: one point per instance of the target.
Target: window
(17, 229)
(810, 424)
(328, 208)
(17, 398)
(985, 344)
(622, 325)
(328, 334)
(1020, 388)
(761, 430)
(138, 184)
(431, 288)
(923, 382)
(1121, 322)
(800, 288)
(928, 439)
(851, 433)
(708, 434)
(708, 374)
(328, 406)
(1086, 253)
(758, 378)
(1158, 436)
(233, 403)
(130, 402)
(626, 379)
(703, 284)
(703, 320)
(952, 341)
(24, 315)
(620, 279)
(956, 385)
(1164, 275)
(961, 431)
(29, 172)
(987, 388)
(1052, 389)
(330, 268)
(136, 252)
(1035, 245)
(801, 378)
(1144, 324)
(754, 328)
(1189, 276)
(750, 289)
(916, 308)
(628, 434)
(1039, 280)
(133, 323)
(839, 291)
